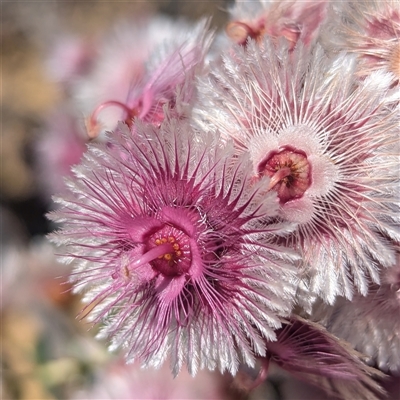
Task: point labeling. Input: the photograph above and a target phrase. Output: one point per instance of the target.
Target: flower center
(290, 173)
(173, 251)
(168, 251)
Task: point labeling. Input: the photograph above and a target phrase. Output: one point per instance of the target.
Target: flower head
(176, 250)
(330, 150)
(141, 70)
(293, 20)
(70, 58)
(308, 351)
(371, 30)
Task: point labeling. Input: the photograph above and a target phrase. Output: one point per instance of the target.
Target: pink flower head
(293, 20)
(309, 352)
(175, 248)
(375, 316)
(142, 70)
(371, 30)
(70, 58)
(331, 153)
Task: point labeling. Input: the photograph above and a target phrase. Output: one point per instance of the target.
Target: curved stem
(262, 375)
(93, 130)
(111, 103)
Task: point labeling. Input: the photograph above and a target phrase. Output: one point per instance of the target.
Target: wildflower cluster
(239, 200)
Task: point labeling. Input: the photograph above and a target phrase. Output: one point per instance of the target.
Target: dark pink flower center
(173, 251)
(166, 244)
(290, 173)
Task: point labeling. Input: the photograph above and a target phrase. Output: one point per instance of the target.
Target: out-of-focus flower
(175, 248)
(293, 20)
(38, 277)
(331, 152)
(70, 58)
(140, 71)
(371, 324)
(308, 351)
(371, 30)
(60, 145)
(118, 380)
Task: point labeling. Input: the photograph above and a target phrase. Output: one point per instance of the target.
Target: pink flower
(293, 20)
(370, 30)
(142, 68)
(329, 150)
(311, 353)
(175, 248)
(70, 58)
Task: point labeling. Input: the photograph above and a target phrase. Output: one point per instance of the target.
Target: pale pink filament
(278, 176)
(152, 254)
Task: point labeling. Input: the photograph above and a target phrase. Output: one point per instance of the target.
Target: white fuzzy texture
(368, 29)
(265, 97)
(371, 324)
(195, 319)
